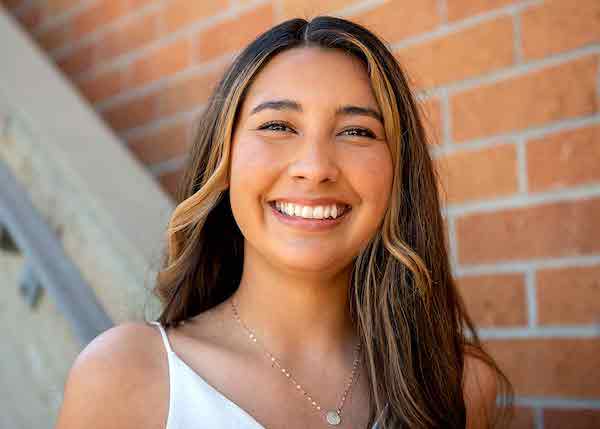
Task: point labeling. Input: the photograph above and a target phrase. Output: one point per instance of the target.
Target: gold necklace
(333, 417)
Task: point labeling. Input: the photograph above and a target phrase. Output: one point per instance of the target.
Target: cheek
(373, 177)
(251, 170)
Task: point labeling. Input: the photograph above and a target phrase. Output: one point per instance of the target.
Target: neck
(296, 313)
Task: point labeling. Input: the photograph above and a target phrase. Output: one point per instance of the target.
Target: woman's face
(309, 138)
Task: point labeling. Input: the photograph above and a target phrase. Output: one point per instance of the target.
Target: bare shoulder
(118, 380)
(480, 388)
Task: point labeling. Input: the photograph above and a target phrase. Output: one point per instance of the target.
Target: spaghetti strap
(163, 334)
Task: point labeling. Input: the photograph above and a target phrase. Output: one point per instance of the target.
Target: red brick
(133, 113)
(179, 13)
(170, 181)
(99, 14)
(461, 55)
(310, 8)
(162, 145)
(569, 295)
(557, 26)
(563, 367)
(102, 86)
(559, 92)
(495, 300)
(187, 94)
(571, 418)
(479, 174)
(161, 62)
(562, 229)
(431, 114)
(82, 59)
(54, 37)
(233, 34)
(394, 20)
(131, 35)
(58, 7)
(458, 9)
(569, 158)
(523, 419)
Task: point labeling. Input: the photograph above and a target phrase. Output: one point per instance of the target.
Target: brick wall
(512, 93)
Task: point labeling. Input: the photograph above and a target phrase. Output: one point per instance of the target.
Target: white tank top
(195, 404)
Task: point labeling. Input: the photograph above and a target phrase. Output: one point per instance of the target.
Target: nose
(315, 163)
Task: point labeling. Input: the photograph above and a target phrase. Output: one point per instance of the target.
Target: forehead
(312, 76)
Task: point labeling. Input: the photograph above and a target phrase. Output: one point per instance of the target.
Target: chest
(261, 396)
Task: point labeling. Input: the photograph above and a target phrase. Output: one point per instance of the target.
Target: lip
(314, 225)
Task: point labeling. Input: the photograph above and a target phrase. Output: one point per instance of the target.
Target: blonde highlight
(411, 319)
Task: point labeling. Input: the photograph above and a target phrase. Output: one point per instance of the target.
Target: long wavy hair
(410, 318)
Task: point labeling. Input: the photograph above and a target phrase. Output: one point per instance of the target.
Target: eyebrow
(293, 105)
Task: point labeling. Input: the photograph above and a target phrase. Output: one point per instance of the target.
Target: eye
(275, 126)
(359, 132)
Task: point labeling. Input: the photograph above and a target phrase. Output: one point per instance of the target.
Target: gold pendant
(333, 418)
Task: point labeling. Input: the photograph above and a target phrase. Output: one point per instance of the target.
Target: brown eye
(359, 132)
(275, 126)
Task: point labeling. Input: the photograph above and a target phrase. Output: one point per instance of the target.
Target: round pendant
(333, 418)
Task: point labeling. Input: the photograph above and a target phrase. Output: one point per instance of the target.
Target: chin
(313, 262)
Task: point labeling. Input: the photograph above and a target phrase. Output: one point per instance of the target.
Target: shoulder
(118, 380)
(480, 388)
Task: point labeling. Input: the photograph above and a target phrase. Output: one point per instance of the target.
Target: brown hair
(403, 298)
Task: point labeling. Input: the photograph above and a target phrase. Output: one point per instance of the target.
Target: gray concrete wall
(37, 348)
(107, 211)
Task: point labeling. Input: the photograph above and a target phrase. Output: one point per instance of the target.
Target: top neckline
(216, 392)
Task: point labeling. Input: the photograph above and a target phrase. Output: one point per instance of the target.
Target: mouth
(317, 212)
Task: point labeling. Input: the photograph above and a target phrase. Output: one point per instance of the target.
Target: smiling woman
(306, 280)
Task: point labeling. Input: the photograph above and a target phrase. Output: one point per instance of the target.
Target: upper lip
(311, 201)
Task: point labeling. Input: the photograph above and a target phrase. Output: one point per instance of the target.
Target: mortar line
(464, 24)
(538, 417)
(525, 134)
(539, 332)
(522, 171)
(531, 292)
(513, 71)
(517, 38)
(517, 201)
(557, 402)
(522, 266)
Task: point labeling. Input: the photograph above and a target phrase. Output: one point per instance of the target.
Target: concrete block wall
(512, 93)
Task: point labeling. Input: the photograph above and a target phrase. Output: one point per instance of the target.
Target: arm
(108, 385)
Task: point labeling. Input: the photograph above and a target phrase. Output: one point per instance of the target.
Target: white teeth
(318, 212)
(309, 212)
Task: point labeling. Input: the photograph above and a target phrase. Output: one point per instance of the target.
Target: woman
(307, 281)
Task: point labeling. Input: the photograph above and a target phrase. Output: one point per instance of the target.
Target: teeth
(308, 212)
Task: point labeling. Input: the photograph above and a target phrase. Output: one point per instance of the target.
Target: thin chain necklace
(333, 417)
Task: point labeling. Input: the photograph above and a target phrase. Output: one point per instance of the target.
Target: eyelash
(369, 133)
